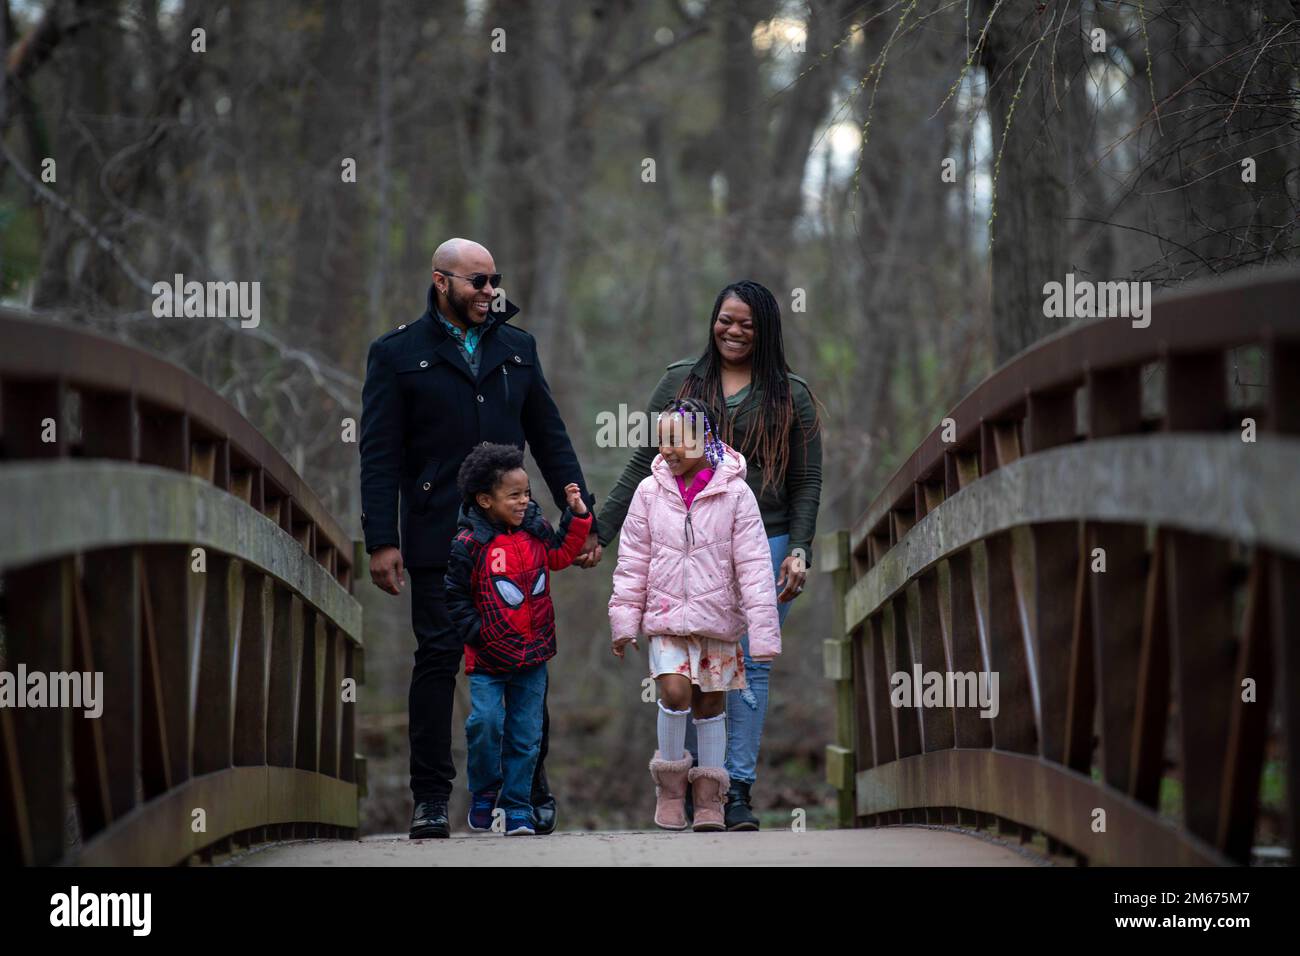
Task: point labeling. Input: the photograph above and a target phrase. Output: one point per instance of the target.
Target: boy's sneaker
(481, 806)
(520, 824)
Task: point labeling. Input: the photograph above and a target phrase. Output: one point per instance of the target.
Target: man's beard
(459, 307)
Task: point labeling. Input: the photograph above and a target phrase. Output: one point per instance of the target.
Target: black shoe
(738, 815)
(429, 821)
(543, 802)
(543, 813)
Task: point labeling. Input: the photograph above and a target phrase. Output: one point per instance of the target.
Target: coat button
(480, 399)
(402, 326)
(424, 363)
(518, 360)
(427, 486)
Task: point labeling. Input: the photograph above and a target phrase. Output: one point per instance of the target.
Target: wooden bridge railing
(148, 532)
(1144, 698)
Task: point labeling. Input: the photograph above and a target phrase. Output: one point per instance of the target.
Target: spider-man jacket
(499, 586)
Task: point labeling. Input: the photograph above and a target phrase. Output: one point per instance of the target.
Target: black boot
(429, 821)
(738, 815)
(543, 805)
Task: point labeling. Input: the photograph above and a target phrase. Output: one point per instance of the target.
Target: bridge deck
(890, 846)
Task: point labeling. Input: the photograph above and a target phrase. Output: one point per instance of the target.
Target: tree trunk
(1031, 202)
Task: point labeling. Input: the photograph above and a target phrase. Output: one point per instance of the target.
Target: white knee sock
(712, 734)
(672, 732)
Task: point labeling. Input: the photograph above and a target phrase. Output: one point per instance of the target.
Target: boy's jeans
(504, 735)
(747, 708)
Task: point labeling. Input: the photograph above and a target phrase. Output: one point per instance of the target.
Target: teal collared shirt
(466, 340)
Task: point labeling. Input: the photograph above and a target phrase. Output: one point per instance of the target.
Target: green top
(788, 507)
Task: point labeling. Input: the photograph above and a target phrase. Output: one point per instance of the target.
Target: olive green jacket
(788, 507)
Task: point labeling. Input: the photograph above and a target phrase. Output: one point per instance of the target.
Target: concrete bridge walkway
(890, 846)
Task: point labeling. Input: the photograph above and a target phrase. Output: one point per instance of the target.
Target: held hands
(386, 570)
(590, 554)
(573, 498)
(620, 646)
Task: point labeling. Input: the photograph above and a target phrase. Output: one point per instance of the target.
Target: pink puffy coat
(711, 578)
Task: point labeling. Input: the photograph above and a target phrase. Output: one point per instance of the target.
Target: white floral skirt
(711, 665)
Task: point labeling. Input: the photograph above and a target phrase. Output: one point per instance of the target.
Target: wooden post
(839, 667)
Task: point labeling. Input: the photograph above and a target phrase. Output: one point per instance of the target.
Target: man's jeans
(746, 709)
(504, 735)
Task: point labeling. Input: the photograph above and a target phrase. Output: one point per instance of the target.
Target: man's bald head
(462, 256)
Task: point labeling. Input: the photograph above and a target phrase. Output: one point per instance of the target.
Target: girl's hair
(768, 442)
(482, 470)
(694, 411)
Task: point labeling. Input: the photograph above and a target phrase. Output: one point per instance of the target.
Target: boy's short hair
(481, 472)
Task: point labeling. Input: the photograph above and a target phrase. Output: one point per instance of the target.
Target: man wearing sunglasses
(458, 376)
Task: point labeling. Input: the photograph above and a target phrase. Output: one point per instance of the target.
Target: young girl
(694, 573)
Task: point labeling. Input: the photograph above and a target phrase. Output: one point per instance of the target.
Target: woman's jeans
(747, 708)
(504, 735)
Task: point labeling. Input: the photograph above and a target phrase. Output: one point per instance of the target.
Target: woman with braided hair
(769, 415)
(693, 575)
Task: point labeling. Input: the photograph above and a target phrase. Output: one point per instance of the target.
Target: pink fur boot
(709, 786)
(670, 791)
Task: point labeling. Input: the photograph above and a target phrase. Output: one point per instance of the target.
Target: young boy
(499, 599)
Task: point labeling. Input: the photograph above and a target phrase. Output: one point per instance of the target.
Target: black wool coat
(423, 411)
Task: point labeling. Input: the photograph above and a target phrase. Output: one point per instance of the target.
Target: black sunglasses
(478, 280)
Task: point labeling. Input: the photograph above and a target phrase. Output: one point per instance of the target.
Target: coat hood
(484, 529)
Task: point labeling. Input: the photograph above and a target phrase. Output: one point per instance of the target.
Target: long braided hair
(768, 442)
